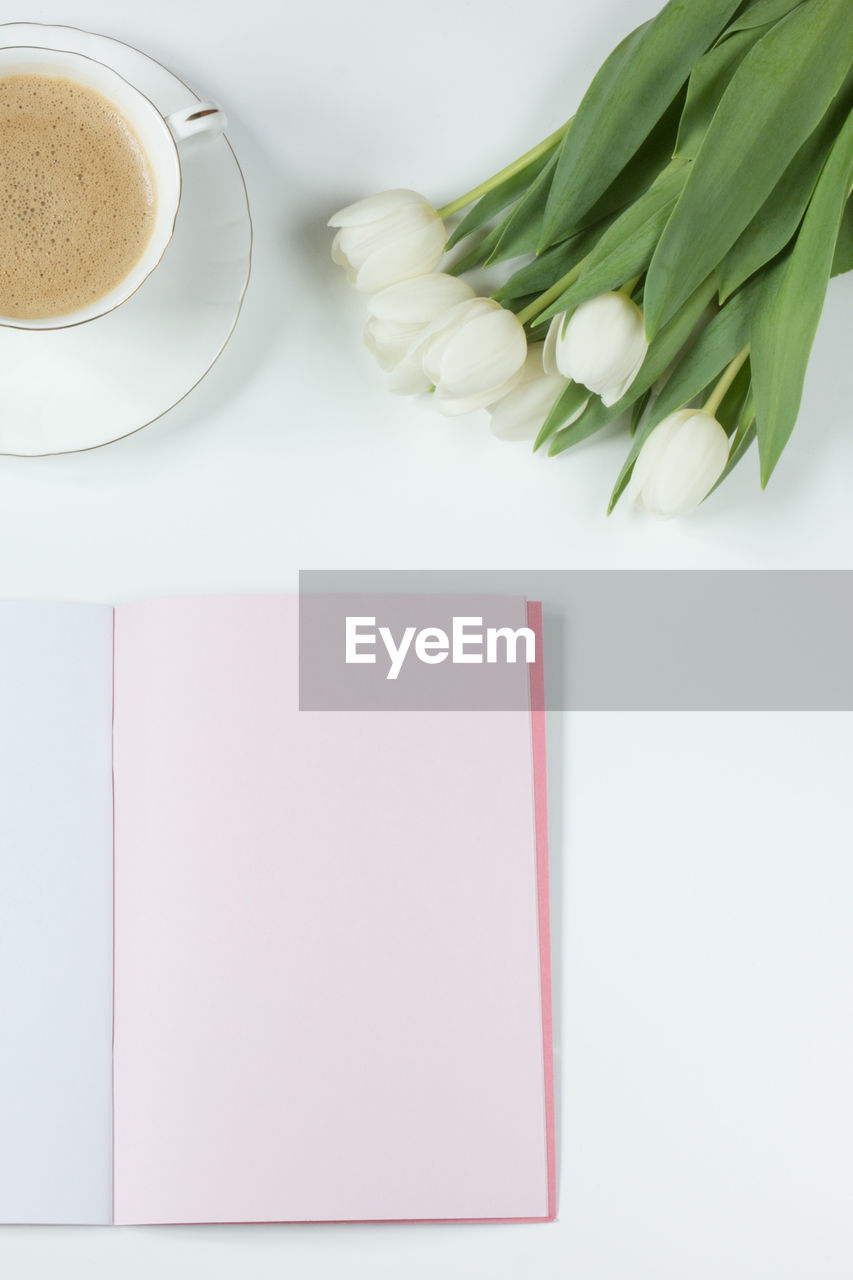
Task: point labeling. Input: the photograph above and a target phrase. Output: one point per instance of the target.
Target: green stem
(509, 172)
(545, 299)
(630, 285)
(715, 399)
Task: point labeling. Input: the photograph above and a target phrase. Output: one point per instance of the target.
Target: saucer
(64, 390)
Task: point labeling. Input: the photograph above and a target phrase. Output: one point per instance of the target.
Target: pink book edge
(540, 803)
(540, 819)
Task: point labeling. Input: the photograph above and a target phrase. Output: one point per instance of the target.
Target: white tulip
(399, 314)
(472, 355)
(549, 347)
(602, 345)
(385, 238)
(679, 463)
(519, 414)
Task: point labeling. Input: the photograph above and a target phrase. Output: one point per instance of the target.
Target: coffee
(77, 197)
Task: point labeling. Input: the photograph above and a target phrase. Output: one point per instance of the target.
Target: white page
(55, 913)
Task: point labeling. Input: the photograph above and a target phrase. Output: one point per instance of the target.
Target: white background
(702, 863)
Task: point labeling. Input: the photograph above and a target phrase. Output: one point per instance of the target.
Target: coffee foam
(77, 198)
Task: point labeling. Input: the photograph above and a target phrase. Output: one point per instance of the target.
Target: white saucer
(71, 389)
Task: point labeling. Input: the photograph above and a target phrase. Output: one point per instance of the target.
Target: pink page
(331, 974)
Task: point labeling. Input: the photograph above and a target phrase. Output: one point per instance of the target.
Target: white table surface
(703, 877)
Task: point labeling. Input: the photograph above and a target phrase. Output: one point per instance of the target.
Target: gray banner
(632, 640)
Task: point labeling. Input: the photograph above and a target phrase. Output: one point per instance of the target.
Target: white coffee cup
(159, 136)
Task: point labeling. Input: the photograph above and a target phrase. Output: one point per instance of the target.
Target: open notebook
(259, 964)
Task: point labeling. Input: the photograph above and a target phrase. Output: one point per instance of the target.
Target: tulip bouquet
(669, 250)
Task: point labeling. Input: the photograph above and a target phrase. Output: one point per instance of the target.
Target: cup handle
(200, 117)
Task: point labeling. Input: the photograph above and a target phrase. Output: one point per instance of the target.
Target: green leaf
(741, 440)
(730, 409)
(790, 305)
(723, 338)
(537, 276)
(778, 218)
(517, 305)
(519, 232)
(774, 101)
(477, 256)
(645, 166)
(496, 200)
(843, 260)
(624, 477)
(625, 249)
(638, 409)
(761, 12)
(644, 169)
(719, 343)
(741, 447)
(596, 416)
(570, 399)
(708, 82)
(626, 99)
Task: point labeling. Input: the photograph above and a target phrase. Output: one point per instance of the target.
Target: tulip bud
(398, 316)
(679, 463)
(602, 345)
(519, 414)
(385, 238)
(472, 355)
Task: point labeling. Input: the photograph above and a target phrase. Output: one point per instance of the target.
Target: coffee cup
(160, 139)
